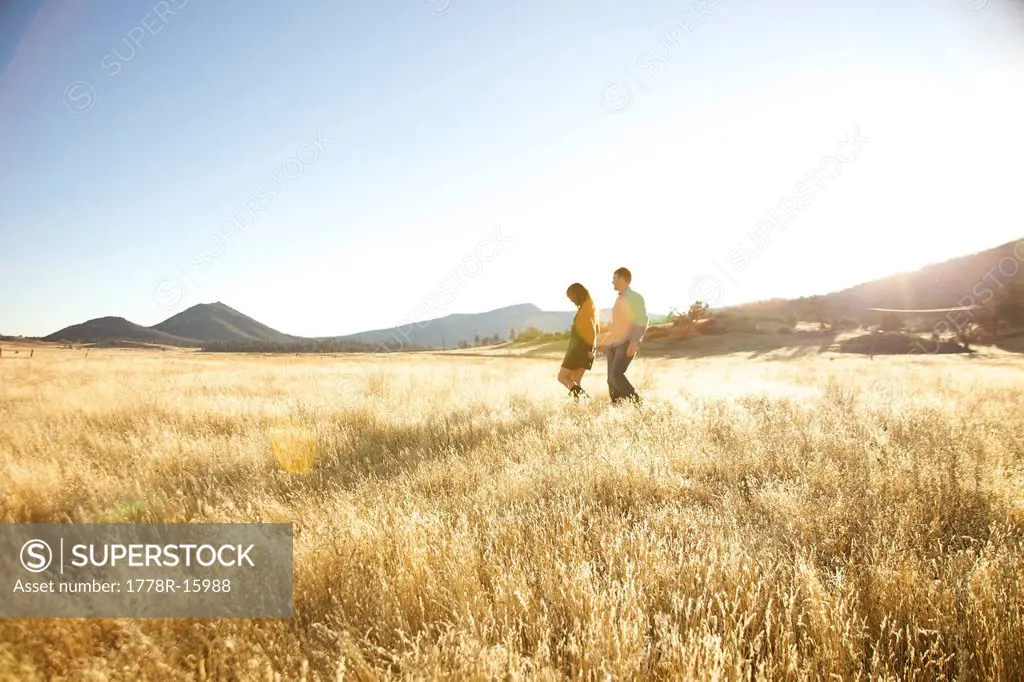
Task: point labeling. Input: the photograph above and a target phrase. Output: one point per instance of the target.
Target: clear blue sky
(131, 133)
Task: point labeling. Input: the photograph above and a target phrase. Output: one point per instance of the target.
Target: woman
(582, 339)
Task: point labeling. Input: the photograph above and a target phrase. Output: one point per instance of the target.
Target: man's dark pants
(619, 387)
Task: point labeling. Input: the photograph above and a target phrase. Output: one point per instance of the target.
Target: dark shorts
(578, 357)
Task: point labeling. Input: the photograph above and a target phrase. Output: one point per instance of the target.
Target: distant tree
(792, 319)
(476, 339)
(817, 310)
(698, 311)
(891, 322)
(463, 344)
(304, 346)
(1007, 305)
(682, 323)
(963, 335)
(511, 334)
(530, 334)
(1011, 312)
(987, 318)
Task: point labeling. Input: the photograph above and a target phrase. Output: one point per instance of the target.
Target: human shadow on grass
(895, 343)
(1011, 343)
(751, 345)
(545, 350)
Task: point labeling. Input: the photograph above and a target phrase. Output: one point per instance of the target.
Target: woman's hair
(577, 293)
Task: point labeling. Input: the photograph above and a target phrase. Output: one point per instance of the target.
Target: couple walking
(619, 342)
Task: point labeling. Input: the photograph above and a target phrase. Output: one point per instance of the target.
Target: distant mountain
(104, 329)
(450, 329)
(954, 282)
(196, 326)
(965, 280)
(959, 281)
(218, 325)
(219, 322)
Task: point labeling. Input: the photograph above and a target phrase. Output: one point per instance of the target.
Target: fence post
(32, 352)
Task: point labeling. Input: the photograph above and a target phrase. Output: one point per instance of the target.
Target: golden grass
(806, 519)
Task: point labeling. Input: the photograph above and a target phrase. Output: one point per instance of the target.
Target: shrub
(529, 334)
(698, 311)
(891, 322)
(658, 333)
(710, 326)
(845, 323)
(678, 332)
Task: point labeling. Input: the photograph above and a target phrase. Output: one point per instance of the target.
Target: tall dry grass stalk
(755, 519)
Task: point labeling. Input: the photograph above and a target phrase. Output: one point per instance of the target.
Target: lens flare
(295, 447)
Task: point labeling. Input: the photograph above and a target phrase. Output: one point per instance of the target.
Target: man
(621, 340)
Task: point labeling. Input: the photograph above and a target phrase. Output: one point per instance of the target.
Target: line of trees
(699, 310)
(331, 345)
(534, 334)
(309, 346)
(482, 340)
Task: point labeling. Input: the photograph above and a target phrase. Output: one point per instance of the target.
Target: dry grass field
(813, 518)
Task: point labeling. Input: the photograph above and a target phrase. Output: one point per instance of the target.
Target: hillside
(958, 281)
(102, 329)
(965, 280)
(450, 329)
(940, 285)
(219, 322)
(199, 325)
